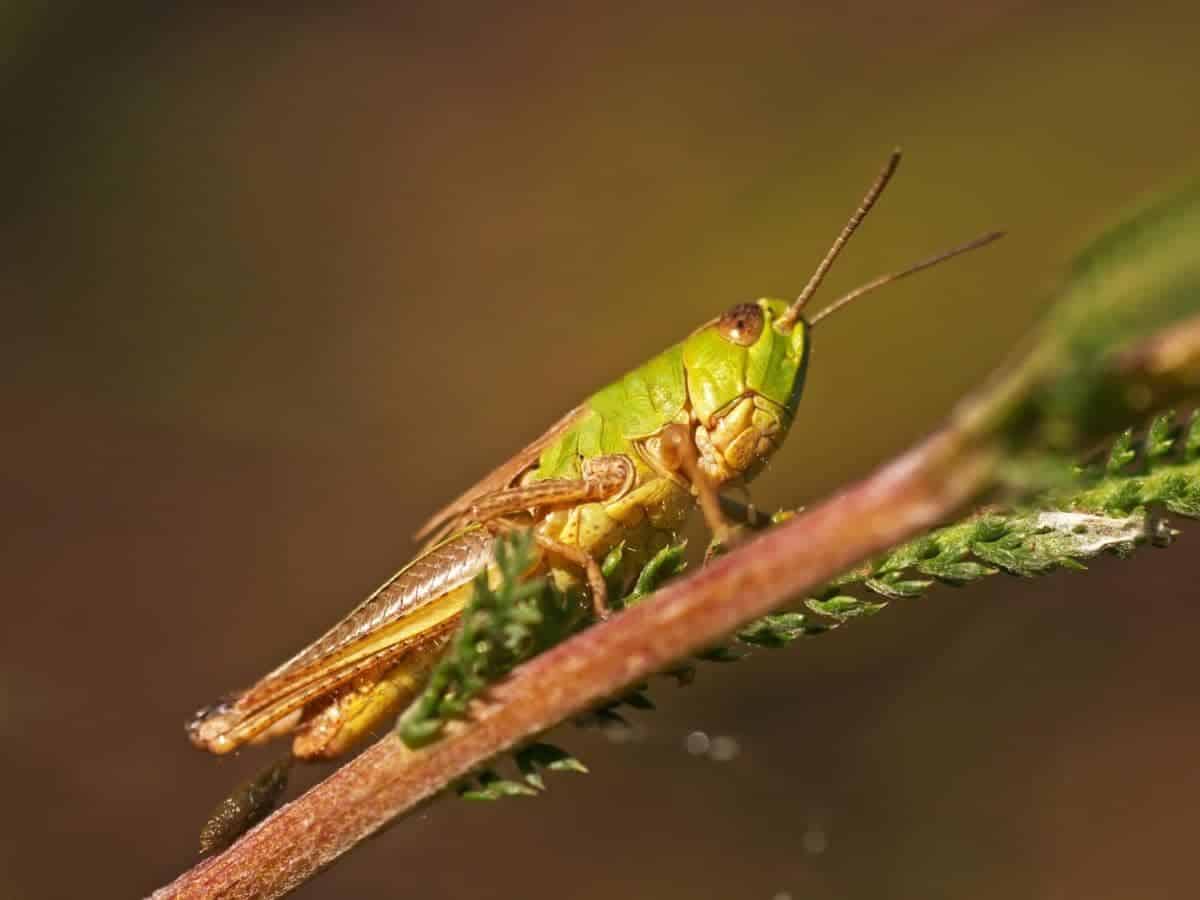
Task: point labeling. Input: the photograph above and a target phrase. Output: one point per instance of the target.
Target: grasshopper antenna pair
(788, 320)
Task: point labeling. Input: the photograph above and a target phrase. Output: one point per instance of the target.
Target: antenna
(788, 320)
(896, 276)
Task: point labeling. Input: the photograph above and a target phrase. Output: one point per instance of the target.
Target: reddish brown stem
(912, 493)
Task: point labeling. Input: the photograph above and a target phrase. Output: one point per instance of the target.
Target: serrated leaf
(612, 569)
(896, 588)
(775, 630)
(490, 786)
(720, 654)
(955, 572)
(843, 607)
(665, 564)
(1188, 506)
(1122, 452)
(567, 763)
(1015, 562)
(1160, 438)
(539, 755)
(1191, 443)
(989, 529)
(601, 717)
(905, 556)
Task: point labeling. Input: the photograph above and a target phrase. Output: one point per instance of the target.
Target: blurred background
(277, 285)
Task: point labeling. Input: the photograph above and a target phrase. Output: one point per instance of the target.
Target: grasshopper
(628, 465)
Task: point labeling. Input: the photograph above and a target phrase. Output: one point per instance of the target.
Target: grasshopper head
(745, 371)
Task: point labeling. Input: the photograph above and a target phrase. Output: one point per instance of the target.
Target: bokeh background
(276, 284)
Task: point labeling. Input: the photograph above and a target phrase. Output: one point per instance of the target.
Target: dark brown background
(277, 285)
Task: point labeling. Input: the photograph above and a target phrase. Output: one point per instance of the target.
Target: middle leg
(576, 555)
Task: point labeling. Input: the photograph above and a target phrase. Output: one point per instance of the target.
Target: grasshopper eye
(741, 325)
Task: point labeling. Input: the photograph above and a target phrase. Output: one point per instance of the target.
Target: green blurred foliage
(1136, 280)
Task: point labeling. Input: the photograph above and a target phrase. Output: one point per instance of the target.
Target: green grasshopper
(627, 466)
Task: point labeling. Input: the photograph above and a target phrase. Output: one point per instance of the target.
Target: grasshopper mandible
(626, 465)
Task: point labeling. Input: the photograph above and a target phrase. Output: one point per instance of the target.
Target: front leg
(677, 453)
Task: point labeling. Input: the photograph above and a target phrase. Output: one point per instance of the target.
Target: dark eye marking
(741, 325)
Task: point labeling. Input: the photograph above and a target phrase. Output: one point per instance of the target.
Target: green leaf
(488, 785)
(1160, 440)
(843, 607)
(612, 570)
(537, 756)
(720, 654)
(954, 572)
(664, 565)
(1191, 443)
(990, 529)
(1012, 561)
(1136, 280)
(1122, 452)
(894, 586)
(776, 630)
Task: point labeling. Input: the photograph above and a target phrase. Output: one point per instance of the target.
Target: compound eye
(741, 325)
